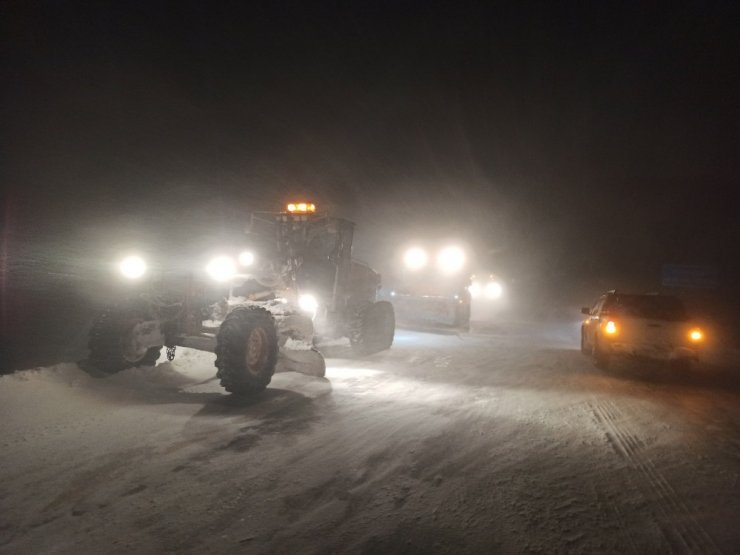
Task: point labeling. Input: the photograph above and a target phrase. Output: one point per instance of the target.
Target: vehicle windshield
(655, 307)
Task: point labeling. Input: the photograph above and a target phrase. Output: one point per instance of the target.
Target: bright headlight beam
(308, 303)
(246, 258)
(493, 290)
(132, 267)
(415, 258)
(450, 260)
(221, 268)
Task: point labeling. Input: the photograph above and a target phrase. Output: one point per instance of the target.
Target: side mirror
(585, 310)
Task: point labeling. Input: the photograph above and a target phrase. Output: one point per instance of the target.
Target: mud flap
(306, 361)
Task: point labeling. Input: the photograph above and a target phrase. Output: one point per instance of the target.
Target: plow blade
(431, 312)
(297, 353)
(305, 361)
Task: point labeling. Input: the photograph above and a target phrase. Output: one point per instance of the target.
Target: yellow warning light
(301, 207)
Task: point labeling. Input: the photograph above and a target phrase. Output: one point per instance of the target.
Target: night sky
(583, 138)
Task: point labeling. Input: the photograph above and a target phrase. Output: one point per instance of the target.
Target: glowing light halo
(308, 303)
(493, 290)
(246, 258)
(132, 267)
(221, 268)
(450, 260)
(415, 258)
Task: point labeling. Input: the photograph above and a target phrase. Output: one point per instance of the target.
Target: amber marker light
(610, 328)
(696, 335)
(301, 207)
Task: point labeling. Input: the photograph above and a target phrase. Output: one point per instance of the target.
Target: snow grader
(290, 284)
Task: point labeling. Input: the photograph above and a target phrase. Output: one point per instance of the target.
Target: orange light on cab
(301, 207)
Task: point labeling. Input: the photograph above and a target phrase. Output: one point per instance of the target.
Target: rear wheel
(246, 350)
(374, 329)
(113, 338)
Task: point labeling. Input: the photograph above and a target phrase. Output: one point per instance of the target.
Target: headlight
(308, 303)
(475, 290)
(493, 290)
(132, 267)
(221, 268)
(415, 258)
(610, 328)
(246, 258)
(451, 260)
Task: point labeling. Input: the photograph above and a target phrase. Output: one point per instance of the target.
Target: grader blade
(308, 361)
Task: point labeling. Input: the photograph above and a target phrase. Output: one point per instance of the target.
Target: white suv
(639, 325)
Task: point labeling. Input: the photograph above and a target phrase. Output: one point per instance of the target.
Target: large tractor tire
(246, 350)
(374, 329)
(111, 339)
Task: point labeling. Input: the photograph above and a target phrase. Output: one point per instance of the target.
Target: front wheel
(246, 350)
(122, 338)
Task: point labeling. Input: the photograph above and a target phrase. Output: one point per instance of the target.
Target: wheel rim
(256, 354)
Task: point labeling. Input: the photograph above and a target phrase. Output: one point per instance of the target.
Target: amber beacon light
(301, 207)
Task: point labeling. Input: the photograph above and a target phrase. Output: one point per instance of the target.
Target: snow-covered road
(507, 441)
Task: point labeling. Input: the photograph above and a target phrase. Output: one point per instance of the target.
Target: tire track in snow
(681, 530)
(607, 504)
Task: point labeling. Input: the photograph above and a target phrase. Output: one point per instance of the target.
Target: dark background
(577, 146)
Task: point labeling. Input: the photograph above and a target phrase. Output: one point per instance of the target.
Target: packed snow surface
(507, 441)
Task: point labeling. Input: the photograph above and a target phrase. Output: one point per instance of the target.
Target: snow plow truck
(432, 293)
(432, 288)
(287, 284)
